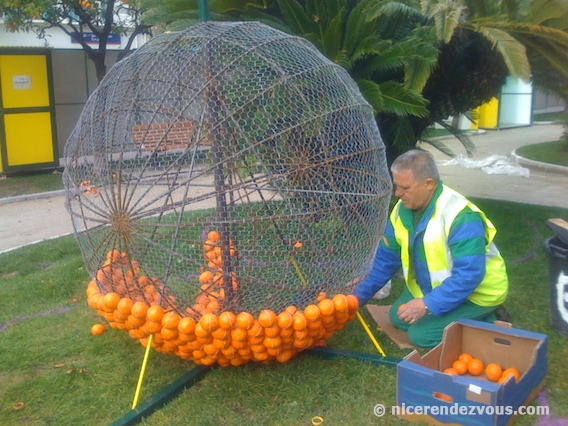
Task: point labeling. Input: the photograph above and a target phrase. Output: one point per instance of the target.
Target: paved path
(32, 220)
(545, 186)
(26, 220)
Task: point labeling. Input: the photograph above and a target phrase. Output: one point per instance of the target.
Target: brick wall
(164, 136)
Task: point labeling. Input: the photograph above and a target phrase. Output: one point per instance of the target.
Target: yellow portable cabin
(27, 114)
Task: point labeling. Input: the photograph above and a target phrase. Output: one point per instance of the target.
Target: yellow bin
(488, 114)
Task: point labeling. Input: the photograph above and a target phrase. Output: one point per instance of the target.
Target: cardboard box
(440, 398)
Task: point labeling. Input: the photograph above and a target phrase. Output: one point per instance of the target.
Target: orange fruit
(353, 303)
(92, 288)
(443, 397)
(285, 320)
(209, 245)
(326, 307)
(97, 329)
(209, 322)
(239, 334)
(272, 342)
(221, 333)
(200, 331)
(111, 300)
(124, 305)
(170, 320)
(245, 320)
(340, 303)
(256, 330)
(139, 310)
(267, 318)
(291, 310)
(511, 371)
(169, 334)
(186, 325)
(210, 349)
(93, 300)
(114, 255)
(452, 371)
(460, 366)
(312, 312)
(493, 372)
(221, 343)
(300, 321)
(475, 367)
(136, 322)
(153, 326)
(401, 306)
(214, 306)
(214, 236)
(272, 331)
(206, 277)
(284, 356)
(227, 320)
(465, 357)
(258, 348)
(260, 356)
(155, 313)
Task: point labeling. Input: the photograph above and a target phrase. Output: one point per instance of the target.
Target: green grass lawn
(548, 152)
(30, 183)
(53, 371)
(549, 116)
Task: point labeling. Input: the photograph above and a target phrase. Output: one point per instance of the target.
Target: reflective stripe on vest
(492, 291)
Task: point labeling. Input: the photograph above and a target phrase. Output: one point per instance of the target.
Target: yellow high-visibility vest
(492, 291)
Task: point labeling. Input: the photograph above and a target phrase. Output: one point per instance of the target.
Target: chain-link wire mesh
(227, 168)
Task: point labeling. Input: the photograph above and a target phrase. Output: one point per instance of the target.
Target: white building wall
(56, 39)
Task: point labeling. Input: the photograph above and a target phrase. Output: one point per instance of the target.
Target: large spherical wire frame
(229, 168)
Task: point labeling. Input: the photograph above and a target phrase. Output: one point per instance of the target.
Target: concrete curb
(537, 165)
(36, 196)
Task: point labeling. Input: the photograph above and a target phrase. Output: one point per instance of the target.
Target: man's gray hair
(420, 162)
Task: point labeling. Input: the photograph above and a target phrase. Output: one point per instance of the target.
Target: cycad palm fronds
(446, 16)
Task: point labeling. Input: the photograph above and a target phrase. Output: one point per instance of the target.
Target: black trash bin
(558, 270)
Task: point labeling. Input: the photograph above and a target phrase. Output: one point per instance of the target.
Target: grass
(31, 183)
(63, 375)
(549, 116)
(549, 152)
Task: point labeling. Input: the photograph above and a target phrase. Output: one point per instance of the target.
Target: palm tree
(481, 42)
(176, 15)
(417, 62)
(390, 59)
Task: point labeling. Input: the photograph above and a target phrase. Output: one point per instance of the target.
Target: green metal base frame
(160, 399)
(329, 353)
(194, 375)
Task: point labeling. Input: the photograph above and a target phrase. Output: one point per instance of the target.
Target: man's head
(416, 178)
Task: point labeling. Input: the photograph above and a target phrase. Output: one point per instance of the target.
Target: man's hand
(412, 311)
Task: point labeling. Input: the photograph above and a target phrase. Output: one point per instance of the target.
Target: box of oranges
(480, 374)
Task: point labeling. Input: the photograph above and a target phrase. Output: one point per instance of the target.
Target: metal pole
(142, 371)
(203, 7)
(370, 334)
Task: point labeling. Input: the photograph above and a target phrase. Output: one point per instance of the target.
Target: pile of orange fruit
(121, 275)
(212, 291)
(467, 364)
(204, 333)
